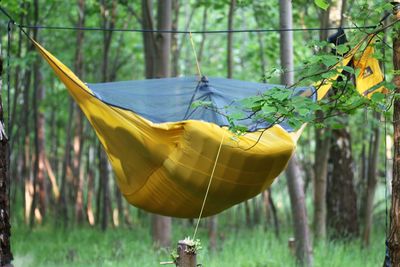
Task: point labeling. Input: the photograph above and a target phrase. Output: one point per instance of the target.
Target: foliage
(322, 4)
(84, 246)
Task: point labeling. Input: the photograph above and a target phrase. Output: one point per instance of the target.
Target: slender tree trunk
(62, 204)
(157, 49)
(247, 213)
(203, 35)
(256, 210)
(90, 187)
(213, 233)
(105, 189)
(40, 196)
(371, 181)
(79, 214)
(148, 38)
(108, 13)
(322, 144)
(293, 174)
(28, 184)
(274, 213)
(232, 7)
(174, 42)
(5, 227)
(394, 232)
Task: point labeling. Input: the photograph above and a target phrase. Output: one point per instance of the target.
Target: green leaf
(322, 4)
(268, 109)
(329, 60)
(342, 49)
(377, 97)
(348, 69)
(337, 126)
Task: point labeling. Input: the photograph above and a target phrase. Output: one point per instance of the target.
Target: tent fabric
(370, 76)
(171, 99)
(163, 165)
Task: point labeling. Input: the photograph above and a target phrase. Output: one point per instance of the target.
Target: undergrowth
(241, 247)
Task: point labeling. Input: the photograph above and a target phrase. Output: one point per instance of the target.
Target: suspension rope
(209, 185)
(195, 55)
(45, 27)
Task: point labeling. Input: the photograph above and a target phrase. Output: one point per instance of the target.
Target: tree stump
(186, 254)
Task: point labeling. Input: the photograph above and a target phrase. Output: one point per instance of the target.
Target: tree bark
(296, 193)
(213, 233)
(174, 40)
(157, 48)
(371, 180)
(320, 173)
(322, 144)
(232, 7)
(28, 194)
(108, 14)
(39, 184)
(5, 227)
(299, 214)
(394, 232)
(90, 187)
(77, 143)
(148, 38)
(341, 196)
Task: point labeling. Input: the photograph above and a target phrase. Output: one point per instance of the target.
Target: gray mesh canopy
(170, 99)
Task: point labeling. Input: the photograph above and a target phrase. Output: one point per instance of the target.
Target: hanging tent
(163, 150)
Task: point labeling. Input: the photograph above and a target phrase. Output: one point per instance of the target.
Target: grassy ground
(47, 246)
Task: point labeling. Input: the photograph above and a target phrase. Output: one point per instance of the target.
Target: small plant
(174, 256)
(192, 245)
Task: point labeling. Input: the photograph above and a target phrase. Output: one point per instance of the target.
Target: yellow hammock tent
(164, 166)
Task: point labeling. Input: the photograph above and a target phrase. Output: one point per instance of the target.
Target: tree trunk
(90, 187)
(108, 14)
(148, 38)
(232, 7)
(296, 193)
(28, 185)
(105, 189)
(157, 49)
(213, 233)
(39, 197)
(5, 227)
(79, 214)
(299, 213)
(62, 207)
(274, 213)
(174, 40)
(394, 232)
(322, 144)
(341, 196)
(371, 180)
(320, 173)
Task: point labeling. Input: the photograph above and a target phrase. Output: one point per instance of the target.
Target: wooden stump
(186, 254)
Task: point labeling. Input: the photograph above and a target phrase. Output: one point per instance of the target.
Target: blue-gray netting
(170, 99)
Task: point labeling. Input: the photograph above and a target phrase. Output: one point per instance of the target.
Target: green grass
(46, 246)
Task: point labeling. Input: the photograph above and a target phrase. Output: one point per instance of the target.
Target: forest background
(65, 206)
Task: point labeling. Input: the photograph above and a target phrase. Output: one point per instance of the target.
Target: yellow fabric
(370, 74)
(165, 168)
